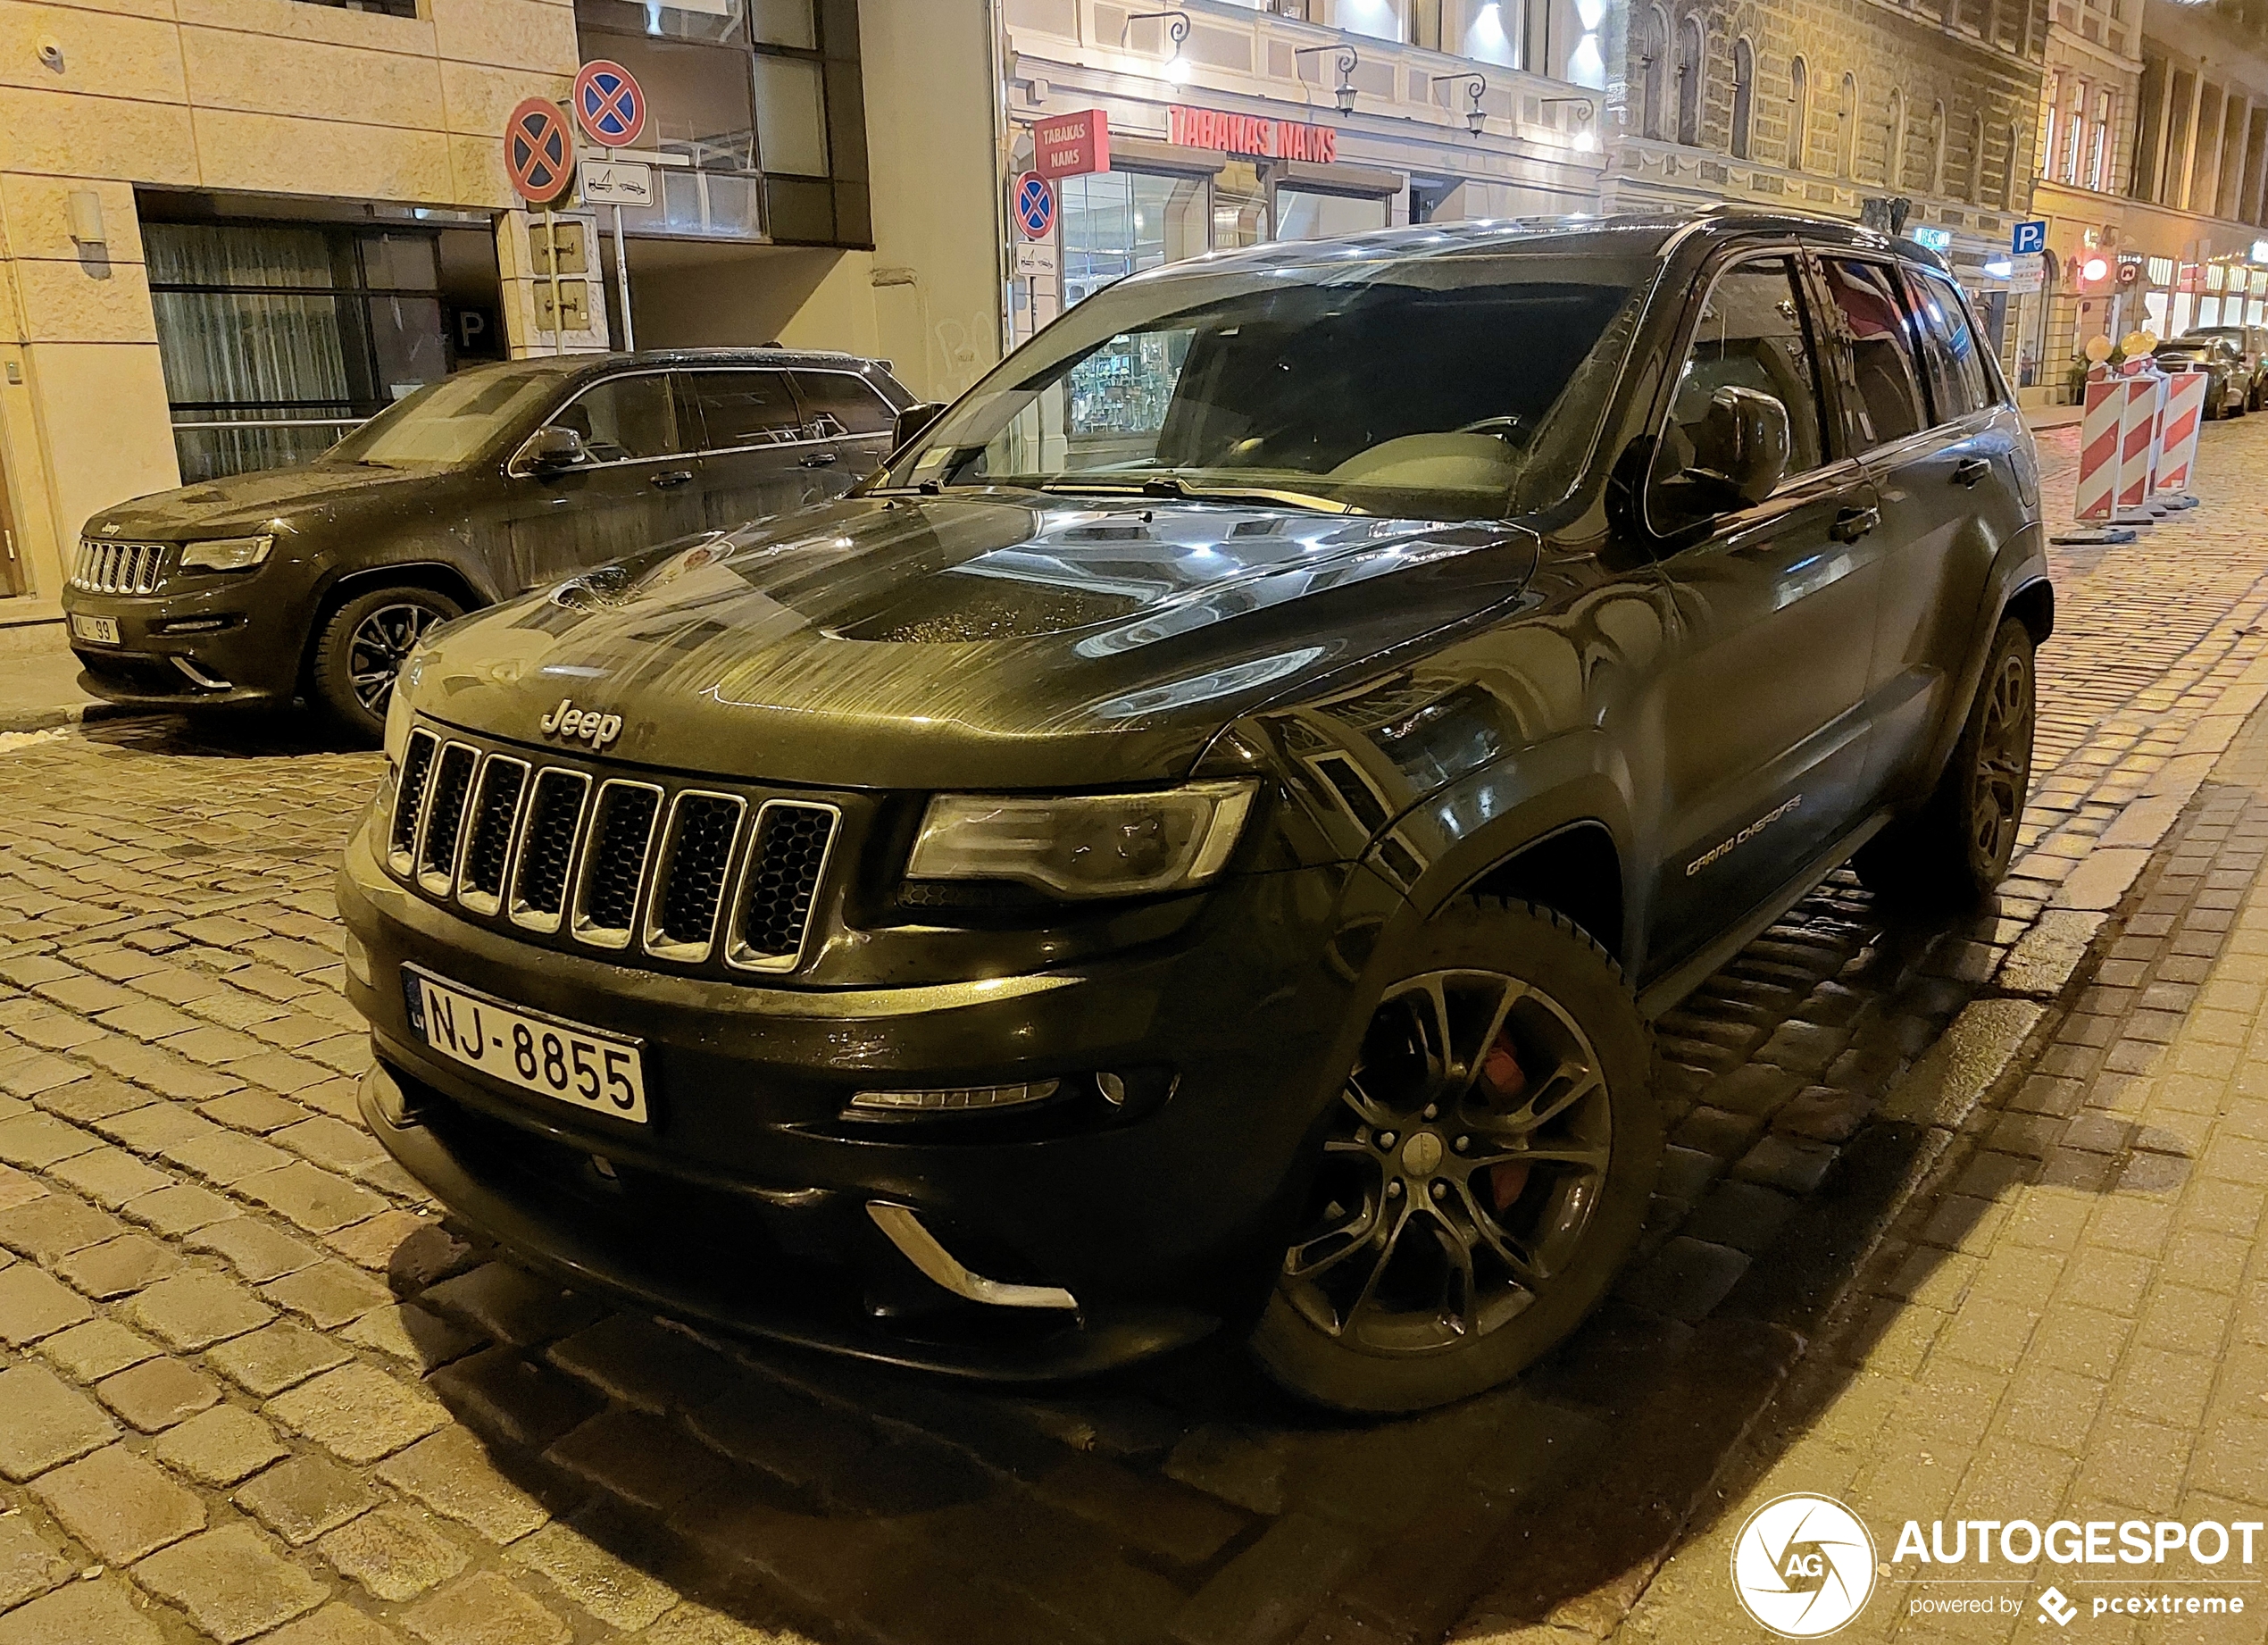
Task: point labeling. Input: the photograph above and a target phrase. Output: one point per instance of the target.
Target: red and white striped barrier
(2099, 451)
(2185, 393)
(2138, 442)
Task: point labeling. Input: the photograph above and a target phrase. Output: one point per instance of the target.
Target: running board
(1665, 991)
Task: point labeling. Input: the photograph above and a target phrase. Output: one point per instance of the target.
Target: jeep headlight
(226, 554)
(1088, 845)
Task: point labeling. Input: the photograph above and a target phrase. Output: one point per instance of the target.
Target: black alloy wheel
(1959, 845)
(364, 647)
(1483, 1169)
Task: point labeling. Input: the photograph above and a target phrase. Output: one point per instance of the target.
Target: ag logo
(1802, 1565)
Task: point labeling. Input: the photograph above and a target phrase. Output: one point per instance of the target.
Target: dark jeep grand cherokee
(1197, 840)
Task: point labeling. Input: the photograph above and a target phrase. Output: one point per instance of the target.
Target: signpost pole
(558, 312)
(622, 285)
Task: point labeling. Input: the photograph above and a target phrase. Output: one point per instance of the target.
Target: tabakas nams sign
(1250, 134)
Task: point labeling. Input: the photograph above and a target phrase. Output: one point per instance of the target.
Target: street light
(1476, 87)
(1344, 92)
(1177, 29)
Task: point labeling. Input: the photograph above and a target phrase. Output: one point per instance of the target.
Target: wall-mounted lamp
(1476, 87)
(1584, 115)
(1177, 31)
(84, 208)
(1347, 58)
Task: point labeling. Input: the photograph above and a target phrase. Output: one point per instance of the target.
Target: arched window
(1893, 156)
(2008, 183)
(1654, 68)
(1976, 160)
(1692, 57)
(1846, 125)
(1937, 148)
(1798, 114)
(1744, 96)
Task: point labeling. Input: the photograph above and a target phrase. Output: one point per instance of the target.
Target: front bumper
(254, 659)
(744, 1202)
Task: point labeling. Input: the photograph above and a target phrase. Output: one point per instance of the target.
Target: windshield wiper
(1174, 486)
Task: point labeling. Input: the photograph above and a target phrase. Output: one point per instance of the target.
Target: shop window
(276, 340)
(1302, 215)
(1117, 223)
(1240, 206)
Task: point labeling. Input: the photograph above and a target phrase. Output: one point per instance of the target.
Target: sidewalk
(2071, 1322)
(39, 674)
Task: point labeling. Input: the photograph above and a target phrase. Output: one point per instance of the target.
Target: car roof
(579, 367)
(1635, 234)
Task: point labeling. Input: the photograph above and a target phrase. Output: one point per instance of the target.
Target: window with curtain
(1743, 96)
(275, 340)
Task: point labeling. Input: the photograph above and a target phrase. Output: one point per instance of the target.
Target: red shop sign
(1072, 144)
(1249, 134)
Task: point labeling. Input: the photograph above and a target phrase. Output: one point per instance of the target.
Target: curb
(68, 713)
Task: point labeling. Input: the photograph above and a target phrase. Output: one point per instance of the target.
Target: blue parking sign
(2028, 236)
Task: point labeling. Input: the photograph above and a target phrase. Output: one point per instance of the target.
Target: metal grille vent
(539, 891)
(118, 568)
(409, 799)
(496, 808)
(616, 864)
(697, 858)
(784, 871)
(685, 875)
(436, 852)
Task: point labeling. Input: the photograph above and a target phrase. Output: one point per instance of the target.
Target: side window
(850, 400)
(745, 408)
(625, 419)
(1882, 398)
(1751, 334)
(1957, 373)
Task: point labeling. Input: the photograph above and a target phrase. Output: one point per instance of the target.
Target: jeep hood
(267, 499)
(1005, 640)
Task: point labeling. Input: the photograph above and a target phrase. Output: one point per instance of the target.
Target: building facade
(1233, 121)
(1823, 104)
(229, 234)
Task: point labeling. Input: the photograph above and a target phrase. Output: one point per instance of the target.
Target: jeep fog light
(959, 1099)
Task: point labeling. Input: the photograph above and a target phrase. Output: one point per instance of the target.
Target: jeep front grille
(687, 875)
(119, 568)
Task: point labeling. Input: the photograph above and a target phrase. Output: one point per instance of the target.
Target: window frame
(1848, 392)
(1803, 281)
(810, 417)
(1918, 278)
(804, 435)
(682, 403)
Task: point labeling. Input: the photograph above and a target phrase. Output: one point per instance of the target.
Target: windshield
(1455, 386)
(453, 421)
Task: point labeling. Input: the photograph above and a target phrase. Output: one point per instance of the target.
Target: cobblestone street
(1943, 1215)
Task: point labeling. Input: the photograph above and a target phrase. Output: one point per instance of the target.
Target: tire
(1510, 1021)
(362, 645)
(1958, 846)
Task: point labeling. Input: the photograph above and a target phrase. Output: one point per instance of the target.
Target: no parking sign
(1034, 198)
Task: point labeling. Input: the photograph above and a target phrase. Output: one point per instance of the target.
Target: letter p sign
(2028, 236)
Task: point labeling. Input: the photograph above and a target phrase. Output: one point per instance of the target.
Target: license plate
(103, 630)
(598, 1071)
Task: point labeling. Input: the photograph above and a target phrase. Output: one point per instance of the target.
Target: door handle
(675, 476)
(819, 459)
(1970, 470)
(1853, 523)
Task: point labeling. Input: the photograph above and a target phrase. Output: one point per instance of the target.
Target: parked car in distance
(317, 580)
(1195, 843)
(2251, 343)
(2229, 395)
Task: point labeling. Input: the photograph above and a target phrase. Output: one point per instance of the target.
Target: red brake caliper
(1505, 1083)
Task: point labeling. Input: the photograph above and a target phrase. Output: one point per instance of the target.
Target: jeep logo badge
(594, 728)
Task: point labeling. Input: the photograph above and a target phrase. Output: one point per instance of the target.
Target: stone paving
(252, 1387)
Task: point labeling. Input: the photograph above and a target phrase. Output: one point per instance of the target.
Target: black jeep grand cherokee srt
(1196, 839)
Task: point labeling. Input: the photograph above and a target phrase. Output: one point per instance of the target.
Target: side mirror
(913, 420)
(549, 449)
(1739, 448)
